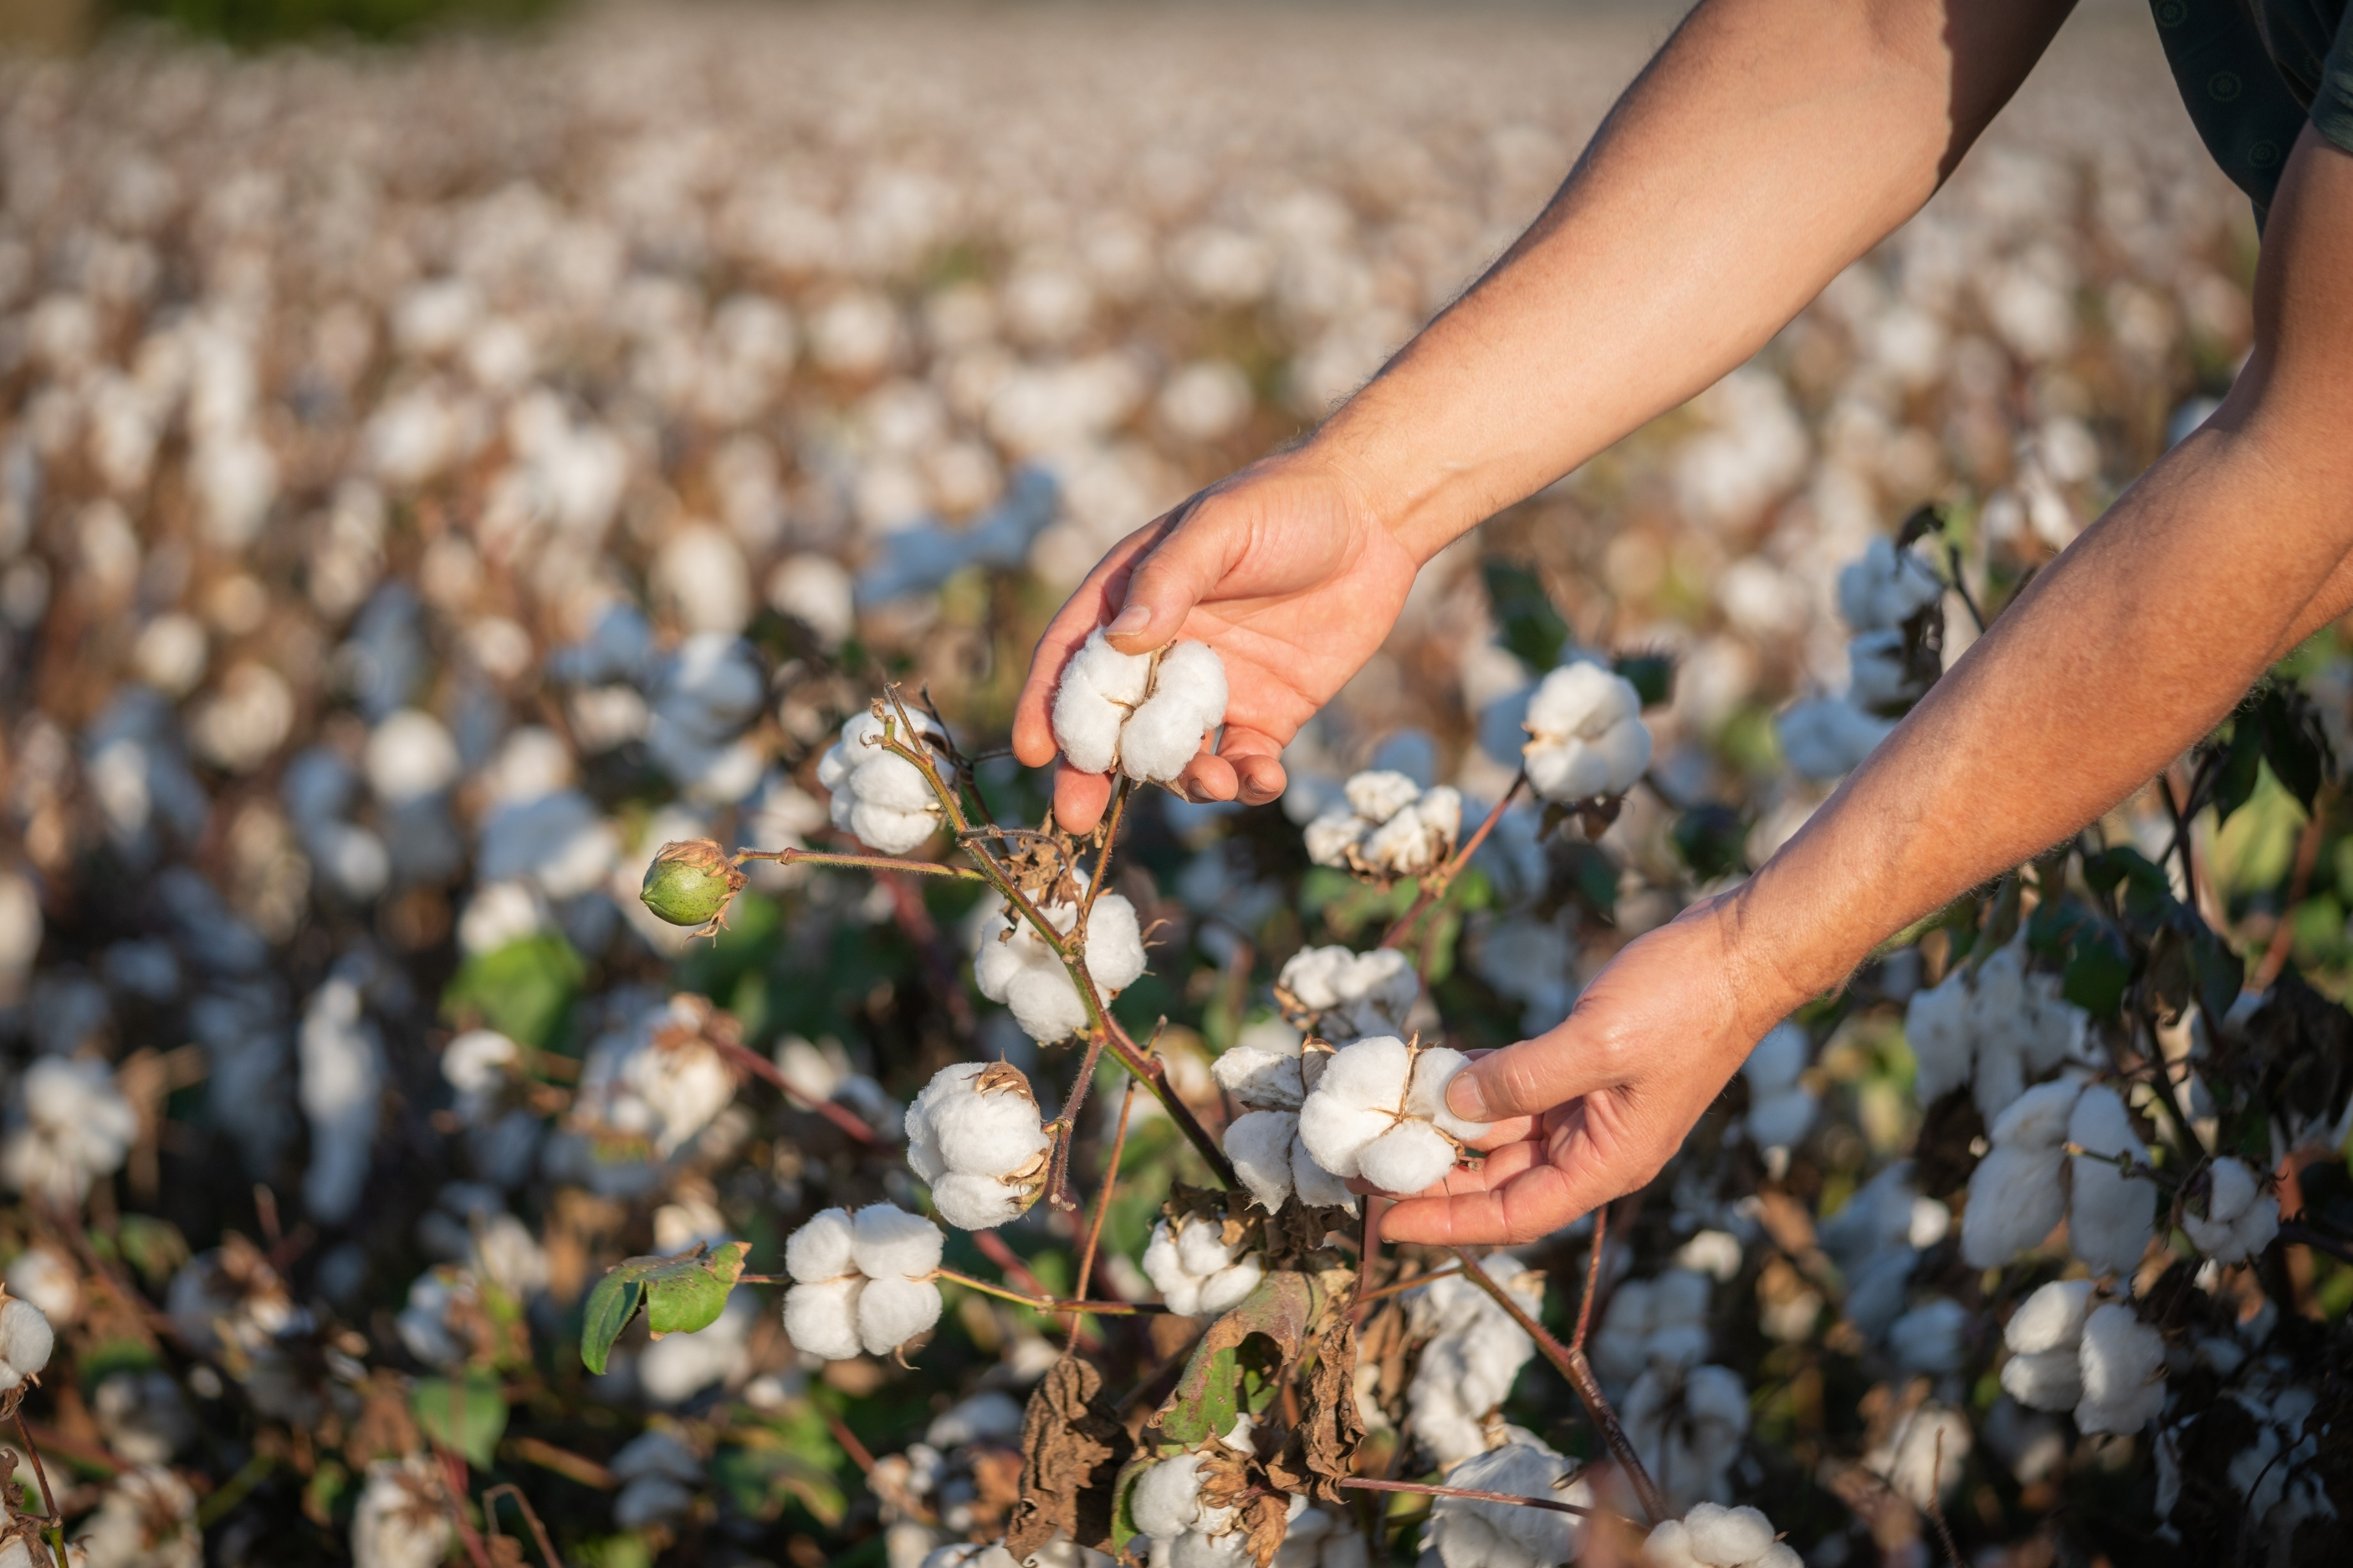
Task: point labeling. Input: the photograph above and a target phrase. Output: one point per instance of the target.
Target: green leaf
(1712, 840)
(681, 1294)
(1652, 676)
(468, 1413)
(1533, 629)
(1238, 1365)
(2098, 973)
(524, 990)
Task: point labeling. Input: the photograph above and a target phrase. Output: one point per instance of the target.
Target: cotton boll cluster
(1344, 995)
(1780, 1106)
(1186, 1531)
(2070, 1351)
(147, 1519)
(1321, 1538)
(402, 1519)
(974, 1134)
(861, 1281)
(1268, 1072)
(1923, 1453)
(1993, 1026)
(1378, 1111)
(1717, 1537)
(342, 1055)
(880, 797)
(1014, 964)
(655, 1078)
(68, 1126)
(2027, 1180)
(1471, 1354)
(1688, 1427)
(2241, 1217)
(1144, 715)
(1201, 1266)
(1586, 736)
(2111, 1212)
(1881, 596)
(1660, 1322)
(1390, 828)
(1876, 1241)
(1470, 1532)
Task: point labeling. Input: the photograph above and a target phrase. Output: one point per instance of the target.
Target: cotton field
(541, 1022)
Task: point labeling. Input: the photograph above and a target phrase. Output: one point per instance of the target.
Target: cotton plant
(862, 1281)
(1267, 1071)
(1713, 1536)
(1201, 1266)
(1876, 1238)
(1471, 1354)
(1170, 1502)
(1781, 1107)
(1994, 1027)
(1344, 996)
(68, 1126)
(653, 1079)
(146, 1519)
(26, 1339)
(1473, 1533)
(1688, 1425)
(1889, 597)
(1390, 827)
(1143, 716)
(974, 1136)
(1378, 1111)
(402, 1519)
(2028, 1179)
(878, 796)
(2070, 1351)
(1014, 964)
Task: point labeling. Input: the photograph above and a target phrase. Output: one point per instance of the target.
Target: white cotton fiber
(893, 1312)
(1352, 994)
(1433, 1068)
(2016, 1196)
(1468, 1532)
(2110, 1215)
(1114, 950)
(2045, 1380)
(1201, 1249)
(2241, 1217)
(1116, 709)
(1227, 1286)
(1669, 1546)
(1263, 1079)
(2050, 1319)
(977, 1203)
(1407, 1158)
(891, 1242)
(877, 795)
(822, 1319)
(990, 1134)
(26, 1342)
(1259, 1143)
(1937, 1022)
(2037, 1119)
(2124, 1368)
(1378, 793)
(1885, 588)
(1100, 686)
(1166, 1498)
(1356, 1100)
(1023, 972)
(823, 1249)
(1727, 1537)
(1586, 736)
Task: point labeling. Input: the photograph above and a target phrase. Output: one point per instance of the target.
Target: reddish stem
(1434, 886)
(1592, 1276)
(760, 1067)
(1103, 1198)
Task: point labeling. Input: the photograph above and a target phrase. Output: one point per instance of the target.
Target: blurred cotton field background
(432, 480)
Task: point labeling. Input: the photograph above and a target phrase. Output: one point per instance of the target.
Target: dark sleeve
(2332, 105)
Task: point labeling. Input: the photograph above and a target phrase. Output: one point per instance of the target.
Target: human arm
(2125, 651)
(1769, 143)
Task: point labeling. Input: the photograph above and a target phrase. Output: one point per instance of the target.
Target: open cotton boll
(2111, 1214)
(1145, 716)
(26, 1342)
(1100, 688)
(1166, 1498)
(2124, 1371)
(888, 1242)
(2015, 1198)
(1345, 996)
(1356, 1101)
(823, 1249)
(1937, 1026)
(1724, 1537)
(2051, 1319)
(878, 796)
(2241, 1217)
(1435, 1066)
(1014, 965)
(1586, 736)
(893, 1312)
(1196, 1271)
(1466, 1533)
(1263, 1079)
(821, 1319)
(1409, 1157)
(1390, 828)
(2045, 1380)
(1885, 588)
(974, 1134)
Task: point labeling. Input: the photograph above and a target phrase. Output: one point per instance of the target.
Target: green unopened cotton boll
(690, 882)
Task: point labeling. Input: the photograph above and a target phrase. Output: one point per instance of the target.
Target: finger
(1256, 758)
(1079, 798)
(1087, 608)
(1207, 777)
(1531, 1077)
(1538, 1202)
(1188, 561)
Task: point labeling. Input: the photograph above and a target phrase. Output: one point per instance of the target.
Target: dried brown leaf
(1072, 1446)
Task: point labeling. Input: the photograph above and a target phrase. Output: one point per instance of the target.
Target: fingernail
(1465, 1100)
(1132, 620)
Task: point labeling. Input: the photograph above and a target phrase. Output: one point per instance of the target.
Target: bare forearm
(1769, 145)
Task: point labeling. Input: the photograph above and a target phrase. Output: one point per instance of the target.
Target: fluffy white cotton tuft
(26, 1342)
(1390, 828)
(974, 1134)
(1378, 1111)
(2111, 1214)
(1198, 1271)
(1472, 1354)
(1586, 736)
(2241, 1217)
(1014, 965)
(2124, 1371)
(861, 1280)
(878, 798)
(1345, 996)
(1145, 716)
(1468, 1532)
(1885, 588)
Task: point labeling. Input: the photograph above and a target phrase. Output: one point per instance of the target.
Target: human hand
(1282, 570)
(1594, 1109)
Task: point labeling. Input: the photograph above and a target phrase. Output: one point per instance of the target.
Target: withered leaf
(1240, 1362)
(1003, 1078)
(1321, 1447)
(1072, 1446)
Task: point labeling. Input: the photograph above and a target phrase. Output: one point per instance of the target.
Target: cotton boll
(2240, 1219)
(1828, 737)
(1264, 1079)
(890, 1312)
(2037, 1119)
(1409, 1158)
(889, 1243)
(1316, 1187)
(2045, 1380)
(1228, 1287)
(1180, 1290)
(1586, 736)
(977, 1203)
(878, 796)
(41, 1277)
(1669, 1546)
(2124, 1371)
(401, 1520)
(1201, 1249)
(2016, 1196)
(989, 1134)
(1188, 700)
(26, 1342)
(1356, 1100)
(1115, 941)
(1885, 588)
(821, 1319)
(1100, 688)
(2110, 1214)
(824, 1248)
(2050, 1319)
(1726, 1536)
(1936, 1024)
(1434, 1068)
(1167, 1498)
(1467, 1532)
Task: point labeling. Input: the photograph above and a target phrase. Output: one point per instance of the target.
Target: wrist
(1386, 476)
(1780, 957)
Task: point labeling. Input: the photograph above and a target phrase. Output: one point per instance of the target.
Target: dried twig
(538, 1530)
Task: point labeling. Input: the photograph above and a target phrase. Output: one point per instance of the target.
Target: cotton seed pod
(2241, 1217)
(973, 1135)
(878, 796)
(1344, 996)
(1379, 1112)
(690, 882)
(2124, 1371)
(26, 1340)
(1390, 828)
(1469, 1533)
(1586, 736)
(2111, 1214)
(861, 1280)
(1145, 715)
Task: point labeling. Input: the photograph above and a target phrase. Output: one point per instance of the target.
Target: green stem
(789, 856)
(1050, 1304)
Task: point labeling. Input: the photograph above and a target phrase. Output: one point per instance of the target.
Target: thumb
(1531, 1077)
(1178, 575)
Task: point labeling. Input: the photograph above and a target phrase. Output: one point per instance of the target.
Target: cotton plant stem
(1424, 1488)
(1084, 1278)
(57, 1524)
(1571, 1364)
(1400, 1287)
(1066, 1131)
(1434, 886)
(865, 862)
(538, 1530)
(758, 1066)
(1050, 1304)
(453, 1498)
(1592, 1279)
